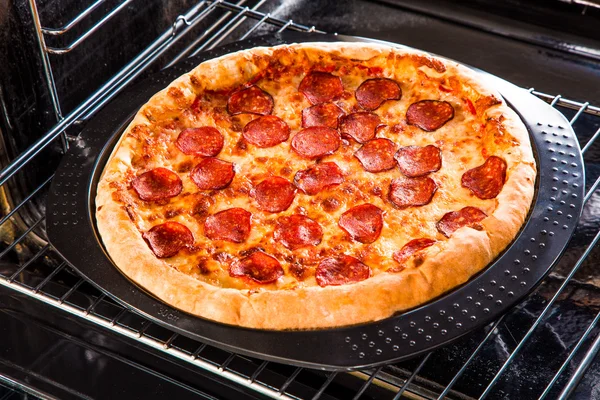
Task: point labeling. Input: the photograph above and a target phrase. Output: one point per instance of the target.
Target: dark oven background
(60, 61)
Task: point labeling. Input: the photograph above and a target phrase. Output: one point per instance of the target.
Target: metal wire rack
(585, 3)
(38, 272)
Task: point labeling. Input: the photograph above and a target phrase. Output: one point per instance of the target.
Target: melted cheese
(464, 142)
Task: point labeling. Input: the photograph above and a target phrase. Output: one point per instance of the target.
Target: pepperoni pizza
(315, 185)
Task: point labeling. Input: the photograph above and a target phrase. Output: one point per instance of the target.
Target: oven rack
(40, 273)
(585, 3)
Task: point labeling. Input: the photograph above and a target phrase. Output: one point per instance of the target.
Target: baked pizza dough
(315, 185)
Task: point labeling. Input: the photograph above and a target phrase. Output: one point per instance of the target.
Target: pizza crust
(448, 263)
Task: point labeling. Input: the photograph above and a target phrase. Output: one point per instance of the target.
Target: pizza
(315, 185)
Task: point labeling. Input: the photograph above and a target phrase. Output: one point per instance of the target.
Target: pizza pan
(545, 234)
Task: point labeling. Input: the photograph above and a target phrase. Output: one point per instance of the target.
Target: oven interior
(63, 60)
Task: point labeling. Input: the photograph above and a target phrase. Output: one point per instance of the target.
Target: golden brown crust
(448, 264)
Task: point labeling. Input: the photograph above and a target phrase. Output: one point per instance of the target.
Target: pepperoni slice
(341, 270)
(417, 161)
(157, 184)
(260, 267)
(232, 225)
(298, 231)
(411, 248)
(321, 87)
(412, 192)
(360, 126)
(318, 177)
(266, 131)
(252, 100)
(429, 115)
(372, 93)
(165, 240)
(363, 223)
(468, 216)
(206, 141)
(325, 114)
(377, 155)
(487, 180)
(274, 194)
(316, 142)
(212, 174)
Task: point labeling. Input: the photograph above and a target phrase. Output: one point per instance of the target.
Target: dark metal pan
(549, 226)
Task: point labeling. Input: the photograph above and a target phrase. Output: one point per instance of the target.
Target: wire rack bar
(284, 27)
(324, 386)
(255, 26)
(26, 389)
(67, 27)
(463, 368)
(596, 183)
(114, 321)
(209, 9)
(47, 68)
(69, 292)
(257, 372)
(581, 369)
(214, 42)
(367, 383)
(592, 190)
(272, 20)
(37, 255)
(241, 14)
(571, 104)
(20, 238)
(49, 277)
(199, 350)
(412, 377)
(583, 107)
(144, 328)
(169, 342)
(585, 3)
(289, 380)
(591, 141)
(225, 363)
(89, 32)
(92, 306)
(568, 360)
(25, 200)
(225, 31)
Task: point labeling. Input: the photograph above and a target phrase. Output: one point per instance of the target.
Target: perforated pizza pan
(545, 234)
